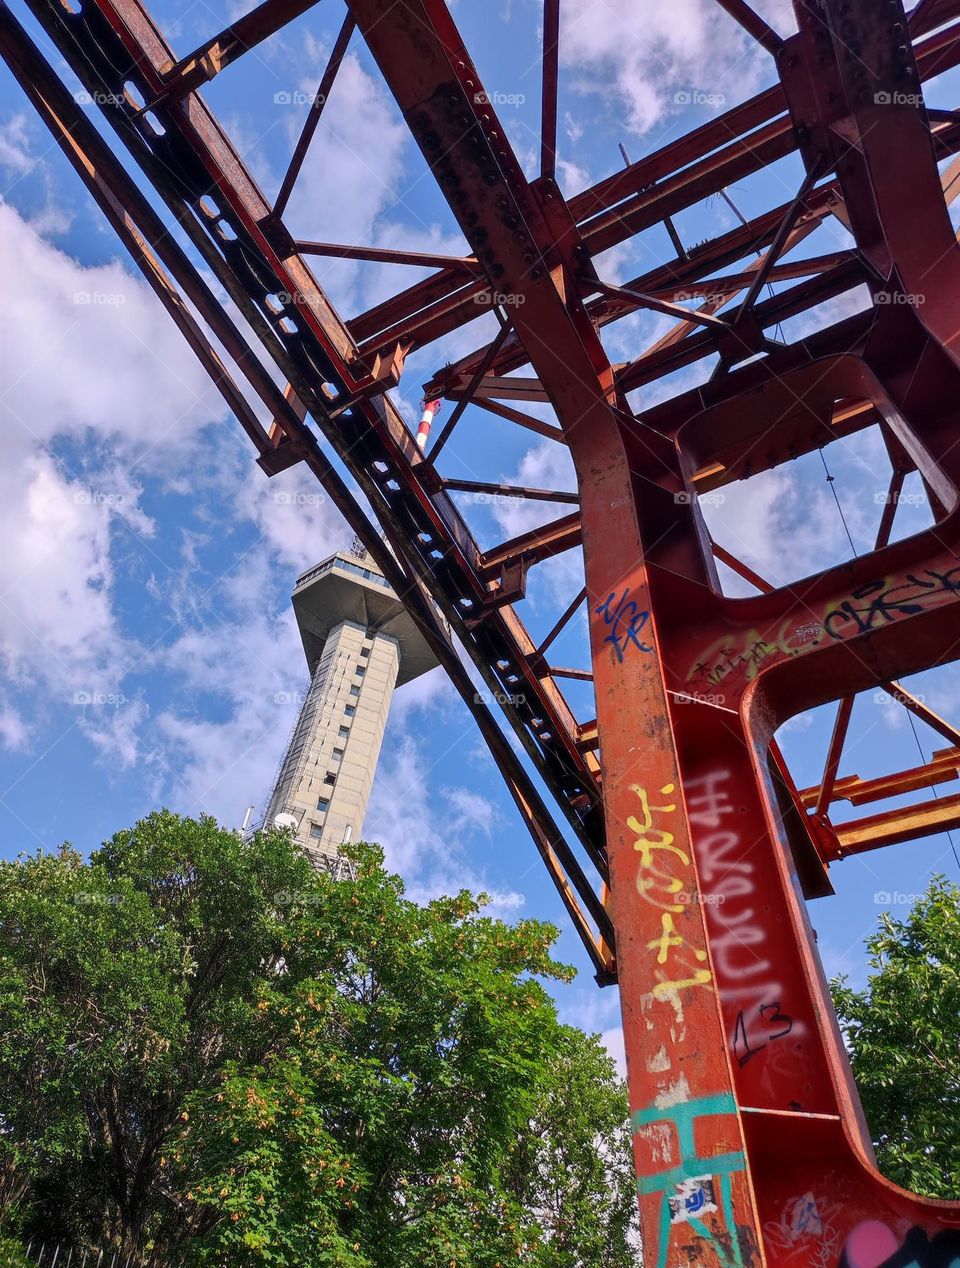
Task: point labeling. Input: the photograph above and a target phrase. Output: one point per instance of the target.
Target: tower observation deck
(360, 643)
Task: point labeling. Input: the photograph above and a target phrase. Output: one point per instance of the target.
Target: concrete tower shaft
(359, 643)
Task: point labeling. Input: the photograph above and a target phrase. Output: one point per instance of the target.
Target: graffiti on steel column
(882, 602)
(811, 1222)
(664, 880)
(874, 1244)
(624, 619)
(869, 607)
(746, 977)
(696, 1192)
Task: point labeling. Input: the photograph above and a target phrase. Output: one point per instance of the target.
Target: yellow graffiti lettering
(659, 880)
(700, 977)
(656, 845)
(668, 938)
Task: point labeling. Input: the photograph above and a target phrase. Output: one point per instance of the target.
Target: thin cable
(843, 521)
(933, 789)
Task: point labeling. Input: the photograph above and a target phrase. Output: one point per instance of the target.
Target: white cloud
(613, 1041)
(776, 525)
(352, 174)
(93, 364)
(15, 156)
(422, 840)
(651, 58)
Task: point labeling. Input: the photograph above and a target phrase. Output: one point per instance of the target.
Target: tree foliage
(903, 1032)
(212, 1055)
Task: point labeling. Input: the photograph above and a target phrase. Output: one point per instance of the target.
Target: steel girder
(749, 1141)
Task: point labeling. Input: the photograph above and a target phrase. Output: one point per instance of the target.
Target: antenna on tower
(357, 548)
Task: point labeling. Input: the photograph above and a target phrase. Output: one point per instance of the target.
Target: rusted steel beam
(536, 545)
(215, 54)
(549, 86)
(319, 101)
(580, 675)
(509, 491)
(893, 827)
(943, 767)
(471, 389)
(515, 416)
(430, 307)
(386, 255)
(558, 628)
(779, 242)
(697, 317)
(741, 569)
(921, 711)
(753, 24)
(721, 251)
(841, 725)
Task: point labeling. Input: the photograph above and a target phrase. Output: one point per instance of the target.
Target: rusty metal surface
(750, 1145)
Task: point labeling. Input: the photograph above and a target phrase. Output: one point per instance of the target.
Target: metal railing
(57, 1255)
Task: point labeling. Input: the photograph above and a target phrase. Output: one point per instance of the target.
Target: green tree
(212, 1054)
(903, 1032)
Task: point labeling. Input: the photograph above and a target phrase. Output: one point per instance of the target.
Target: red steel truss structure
(750, 1145)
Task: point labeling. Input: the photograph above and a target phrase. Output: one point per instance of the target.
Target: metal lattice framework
(688, 850)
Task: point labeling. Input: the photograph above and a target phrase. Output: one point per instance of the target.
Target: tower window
(337, 754)
(349, 711)
(360, 671)
(364, 651)
(344, 731)
(354, 691)
(315, 830)
(323, 803)
(330, 777)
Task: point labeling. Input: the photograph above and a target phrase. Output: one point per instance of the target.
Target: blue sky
(147, 649)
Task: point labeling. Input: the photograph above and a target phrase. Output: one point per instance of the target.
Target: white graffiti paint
(746, 976)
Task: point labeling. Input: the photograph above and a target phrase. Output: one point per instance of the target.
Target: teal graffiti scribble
(683, 1117)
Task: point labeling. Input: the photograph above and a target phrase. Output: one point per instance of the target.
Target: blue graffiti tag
(625, 620)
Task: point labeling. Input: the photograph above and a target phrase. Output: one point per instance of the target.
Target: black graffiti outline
(883, 604)
(740, 1031)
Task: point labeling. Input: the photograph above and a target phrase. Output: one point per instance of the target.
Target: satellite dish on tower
(286, 821)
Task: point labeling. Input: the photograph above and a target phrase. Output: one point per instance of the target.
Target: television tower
(360, 643)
